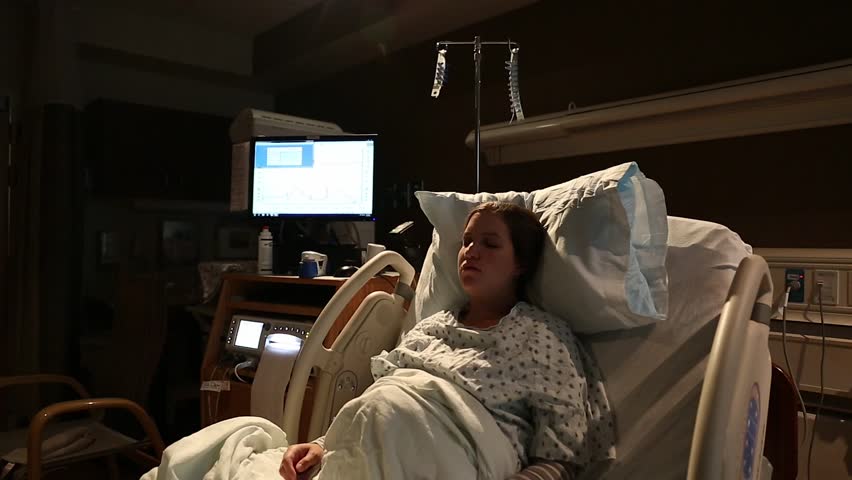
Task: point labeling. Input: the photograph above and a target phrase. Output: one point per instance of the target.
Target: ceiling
(246, 18)
(266, 40)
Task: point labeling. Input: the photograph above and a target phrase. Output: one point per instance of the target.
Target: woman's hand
(299, 458)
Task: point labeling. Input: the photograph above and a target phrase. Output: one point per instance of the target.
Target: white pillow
(603, 266)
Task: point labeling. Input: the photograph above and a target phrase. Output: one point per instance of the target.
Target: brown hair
(527, 235)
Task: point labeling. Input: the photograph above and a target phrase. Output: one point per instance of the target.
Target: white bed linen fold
(413, 425)
(240, 448)
(409, 425)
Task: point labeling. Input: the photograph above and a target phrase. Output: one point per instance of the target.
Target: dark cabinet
(140, 151)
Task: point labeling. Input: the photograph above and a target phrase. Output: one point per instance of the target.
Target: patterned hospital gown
(529, 371)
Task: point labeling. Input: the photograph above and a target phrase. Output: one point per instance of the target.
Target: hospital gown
(529, 371)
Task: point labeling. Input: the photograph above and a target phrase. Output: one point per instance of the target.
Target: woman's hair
(527, 236)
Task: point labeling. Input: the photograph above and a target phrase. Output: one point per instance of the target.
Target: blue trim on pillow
(646, 280)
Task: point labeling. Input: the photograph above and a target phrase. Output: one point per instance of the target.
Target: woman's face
(487, 265)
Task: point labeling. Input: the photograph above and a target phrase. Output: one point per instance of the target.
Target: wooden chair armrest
(45, 415)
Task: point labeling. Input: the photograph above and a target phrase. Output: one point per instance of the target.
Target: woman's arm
(572, 421)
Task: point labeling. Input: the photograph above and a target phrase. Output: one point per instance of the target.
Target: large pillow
(603, 266)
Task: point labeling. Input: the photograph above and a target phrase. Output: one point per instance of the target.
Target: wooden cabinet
(139, 151)
(270, 296)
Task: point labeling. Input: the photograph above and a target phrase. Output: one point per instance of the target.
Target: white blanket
(414, 425)
(239, 448)
(405, 426)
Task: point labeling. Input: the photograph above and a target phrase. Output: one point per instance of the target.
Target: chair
(136, 343)
(72, 441)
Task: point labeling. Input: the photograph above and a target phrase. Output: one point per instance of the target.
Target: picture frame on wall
(109, 248)
(236, 242)
(179, 242)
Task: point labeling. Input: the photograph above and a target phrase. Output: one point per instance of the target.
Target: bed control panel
(247, 333)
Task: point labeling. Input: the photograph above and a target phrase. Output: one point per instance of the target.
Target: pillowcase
(603, 264)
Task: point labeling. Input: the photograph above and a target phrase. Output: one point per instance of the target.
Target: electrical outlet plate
(795, 275)
(830, 286)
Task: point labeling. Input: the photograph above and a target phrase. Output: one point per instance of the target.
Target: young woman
(524, 365)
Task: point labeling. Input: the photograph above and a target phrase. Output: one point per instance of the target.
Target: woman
(522, 364)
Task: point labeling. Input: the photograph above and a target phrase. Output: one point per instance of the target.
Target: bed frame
(728, 439)
(730, 426)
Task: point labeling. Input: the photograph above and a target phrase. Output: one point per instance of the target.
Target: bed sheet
(653, 374)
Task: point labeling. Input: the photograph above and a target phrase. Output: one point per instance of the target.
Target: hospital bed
(690, 394)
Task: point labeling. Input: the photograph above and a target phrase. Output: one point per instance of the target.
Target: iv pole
(477, 84)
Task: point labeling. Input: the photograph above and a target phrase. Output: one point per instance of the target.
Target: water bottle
(264, 252)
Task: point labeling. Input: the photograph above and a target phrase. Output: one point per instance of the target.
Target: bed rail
(731, 423)
(314, 354)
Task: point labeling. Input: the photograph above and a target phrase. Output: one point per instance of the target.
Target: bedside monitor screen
(248, 334)
(313, 176)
